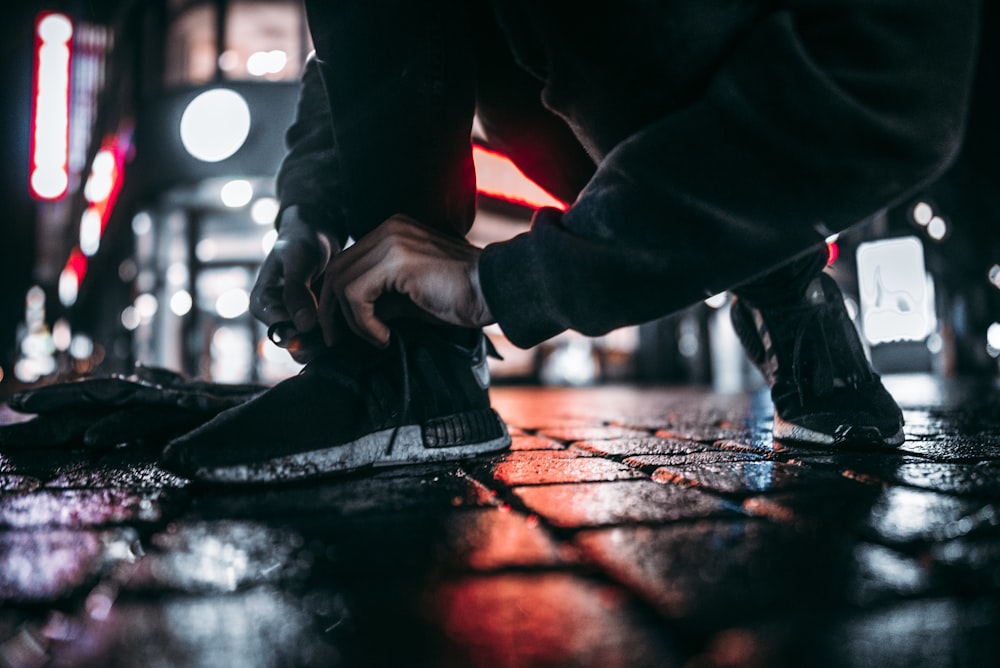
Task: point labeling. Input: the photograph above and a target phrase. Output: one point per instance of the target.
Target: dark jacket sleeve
(824, 113)
(309, 174)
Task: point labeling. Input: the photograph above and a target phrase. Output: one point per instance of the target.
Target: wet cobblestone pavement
(626, 527)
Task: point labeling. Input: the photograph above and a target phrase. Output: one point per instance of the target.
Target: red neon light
(498, 177)
(77, 263)
(105, 205)
(48, 175)
(833, 252)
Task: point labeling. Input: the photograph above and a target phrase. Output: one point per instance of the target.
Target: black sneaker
(823, 388)
(423, 399)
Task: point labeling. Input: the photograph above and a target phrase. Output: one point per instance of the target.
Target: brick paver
(626, 527)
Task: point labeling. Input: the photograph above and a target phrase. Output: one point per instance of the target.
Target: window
(263, 40)
(191, 50)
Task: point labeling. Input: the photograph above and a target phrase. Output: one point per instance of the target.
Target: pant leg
(785, 283)
(515, 122)
(400, 80)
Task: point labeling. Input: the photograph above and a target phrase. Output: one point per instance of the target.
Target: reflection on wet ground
(626, 527)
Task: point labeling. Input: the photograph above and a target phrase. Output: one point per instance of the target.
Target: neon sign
(49, 149)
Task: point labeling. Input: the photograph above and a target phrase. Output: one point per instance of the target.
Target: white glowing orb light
(34, 299)
(993, 339)
(995, 275)
(236, 193)
(232, 303)
(229, 60)
(62, 335)
(69, 287)
(37, 345)
(81, 347)
(923, 213)
(146, 306)
(90, 231)
(264, 210)
(25, 370)
(215, 125)
(130, 318)
(206, 250)
(572, 363)
(177, 273)
(937, 228)
(262, 63)
(142, 223)
(181, 303)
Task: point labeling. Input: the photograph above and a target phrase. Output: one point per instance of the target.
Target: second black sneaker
(823, 388)
(423, 399)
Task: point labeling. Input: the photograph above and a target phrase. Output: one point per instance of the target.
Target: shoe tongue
(350, 356)
(835, 357)
(418, 330)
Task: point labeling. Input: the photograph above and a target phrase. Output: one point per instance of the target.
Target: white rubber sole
(369, 450)
(788, 431)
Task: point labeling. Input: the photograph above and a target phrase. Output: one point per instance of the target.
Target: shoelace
(275, 333)
(279, 331)
(396, 338)
(814, 312)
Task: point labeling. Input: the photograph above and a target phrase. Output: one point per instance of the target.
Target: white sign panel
(896, 300)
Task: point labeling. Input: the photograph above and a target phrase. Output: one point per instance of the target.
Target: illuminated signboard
(896, 297)
(49, 171)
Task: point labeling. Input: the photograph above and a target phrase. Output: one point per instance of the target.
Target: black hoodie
(724, 137)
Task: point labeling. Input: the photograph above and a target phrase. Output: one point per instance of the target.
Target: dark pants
(403, 86)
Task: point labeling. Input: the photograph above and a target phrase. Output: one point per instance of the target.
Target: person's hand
(283, 297)
(405, 267)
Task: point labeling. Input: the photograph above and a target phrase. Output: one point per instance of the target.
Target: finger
(329, 309)
(351, 291)
(352, 286)
(301, 264)
(267, 296)
(358, 304)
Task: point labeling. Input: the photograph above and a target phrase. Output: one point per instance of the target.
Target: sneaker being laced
(823, 388)
(423, 399)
